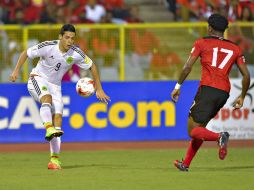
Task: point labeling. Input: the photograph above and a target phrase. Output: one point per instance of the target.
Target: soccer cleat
(180, 166)
(52, 132)
(54, 164)
(223, 141)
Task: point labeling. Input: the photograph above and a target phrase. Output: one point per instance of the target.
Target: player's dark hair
(218, 22)
(67, 28)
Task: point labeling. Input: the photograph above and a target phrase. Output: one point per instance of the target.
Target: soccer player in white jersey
(44, 84)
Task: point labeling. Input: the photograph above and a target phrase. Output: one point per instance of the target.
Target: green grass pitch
(128, 170)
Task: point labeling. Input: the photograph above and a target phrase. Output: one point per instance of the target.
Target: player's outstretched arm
(20, 63)
(245, 86)
(187, 68)
(100, 94)
(185, 72)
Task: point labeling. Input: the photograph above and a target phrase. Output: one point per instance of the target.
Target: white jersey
(53, 64)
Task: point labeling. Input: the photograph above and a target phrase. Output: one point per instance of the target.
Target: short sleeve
(36, 51)
(85, 63)
(196, 49)
(240, 59)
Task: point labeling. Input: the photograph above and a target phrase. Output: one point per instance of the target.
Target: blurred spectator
(233, 10)
(190, 10)
(246, 14)
(32, 14)
(120, 13)
(143, 43)
(56, 11)
(199, 10)
(104, 46)
(105, 54)
(117, 7)
(30, 11)
(94, 11)
(134, 15)
(205, 13)
(18, 17)
(61, 15)
(244, 38)
(82, 36)
(81, 40)
(4, 11)
(165, 63)
(108, 18)
(13, 7)
(171, 5)
(77, 11)
(236, 35)
(48, 15)
(172, 8)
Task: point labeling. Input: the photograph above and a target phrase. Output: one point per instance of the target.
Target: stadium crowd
(67, 11)
(116, 11)
(200, 10)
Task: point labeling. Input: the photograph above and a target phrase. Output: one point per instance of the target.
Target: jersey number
(225, 60)
(58, 65)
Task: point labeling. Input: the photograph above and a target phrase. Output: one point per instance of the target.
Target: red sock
(204, 134)
(195, 144)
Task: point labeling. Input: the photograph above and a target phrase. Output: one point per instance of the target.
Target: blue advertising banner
(138, 111)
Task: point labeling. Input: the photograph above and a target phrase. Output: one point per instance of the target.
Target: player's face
(66, 40)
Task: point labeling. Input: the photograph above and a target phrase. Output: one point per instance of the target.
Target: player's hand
(100, 94)
(13, 77)
(175, 95)
(238, 103)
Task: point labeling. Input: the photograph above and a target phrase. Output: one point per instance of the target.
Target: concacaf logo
(69, 60)
(44, 88)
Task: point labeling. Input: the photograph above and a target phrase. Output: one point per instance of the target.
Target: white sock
(55, 145)
(46, 114)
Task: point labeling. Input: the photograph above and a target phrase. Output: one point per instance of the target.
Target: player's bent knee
(46, 99)
(192, 124)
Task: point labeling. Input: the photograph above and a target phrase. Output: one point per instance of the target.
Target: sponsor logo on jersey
(69, 60)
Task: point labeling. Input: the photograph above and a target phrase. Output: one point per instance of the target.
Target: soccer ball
(85, 87)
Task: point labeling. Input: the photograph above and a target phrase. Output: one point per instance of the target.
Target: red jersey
(217, 58)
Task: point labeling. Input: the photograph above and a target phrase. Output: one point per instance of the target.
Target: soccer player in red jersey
(217, 58)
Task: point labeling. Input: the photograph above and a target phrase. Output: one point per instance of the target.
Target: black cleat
(223, 141)
(180, 166)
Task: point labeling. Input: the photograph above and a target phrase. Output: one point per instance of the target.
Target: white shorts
(38, 87)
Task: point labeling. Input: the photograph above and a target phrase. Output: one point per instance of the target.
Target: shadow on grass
(74, 166)
(229, 168)
(113, 166)
(95, 165)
